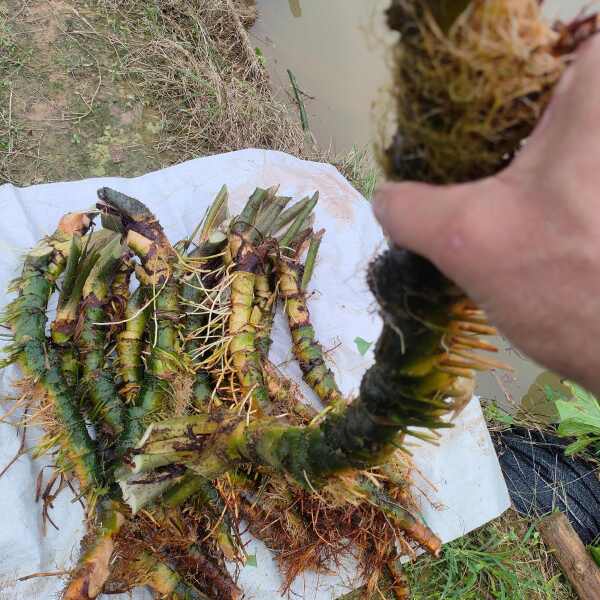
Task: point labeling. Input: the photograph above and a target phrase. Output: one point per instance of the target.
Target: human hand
(525, 244)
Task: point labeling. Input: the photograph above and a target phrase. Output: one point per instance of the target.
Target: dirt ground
(118, 88)
(68, 115)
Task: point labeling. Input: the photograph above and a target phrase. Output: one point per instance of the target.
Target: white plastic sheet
(460, 485)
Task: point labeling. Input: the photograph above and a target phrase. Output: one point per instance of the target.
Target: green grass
(504, 560)
(360, 169)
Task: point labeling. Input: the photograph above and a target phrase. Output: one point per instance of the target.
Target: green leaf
(595, 552)
(505, 418)
(581, 394)
(579, 416)
(251, 560)
(362, 345)
(579, 445)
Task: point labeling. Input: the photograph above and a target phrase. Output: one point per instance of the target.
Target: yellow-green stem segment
(307, 350)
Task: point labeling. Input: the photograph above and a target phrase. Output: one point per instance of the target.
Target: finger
(417, 216)
(464, 230)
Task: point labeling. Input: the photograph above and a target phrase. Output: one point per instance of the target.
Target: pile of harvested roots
(190, 343)
(194, 430)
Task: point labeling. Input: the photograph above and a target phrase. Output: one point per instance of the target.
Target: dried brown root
(93, 570)
(466, 99)
(196, 566)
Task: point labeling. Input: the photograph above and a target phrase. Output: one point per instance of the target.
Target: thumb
(420, 217)
(449, 225)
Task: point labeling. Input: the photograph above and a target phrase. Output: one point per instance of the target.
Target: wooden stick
(575, 561)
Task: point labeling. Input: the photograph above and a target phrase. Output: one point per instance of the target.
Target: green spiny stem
(69, 365)
(203, 491)
(165, 581)
(92, 570)
(307, 350)
(146, 238)
(242, 348)
(26, 316)
(129, 344)
(245, 357)
(265, 299)
(92, 339)
(75, 442)
(162, 364)
(163, 360)
(299, 222)
(284, 393)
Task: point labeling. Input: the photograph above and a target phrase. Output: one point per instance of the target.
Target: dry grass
(192, 60)
(123, 87)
